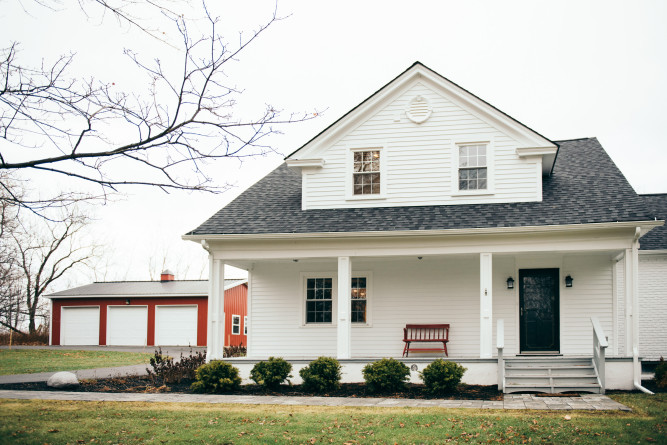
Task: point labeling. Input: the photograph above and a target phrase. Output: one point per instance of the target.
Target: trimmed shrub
(216, 377)
(386, 375)
(661, 374)
(442, 376)
(321, 375)
(271, 373)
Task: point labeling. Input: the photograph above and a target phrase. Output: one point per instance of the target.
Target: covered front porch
(351, 299)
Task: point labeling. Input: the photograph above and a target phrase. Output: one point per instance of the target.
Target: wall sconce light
(510, 283)
(127, 301)
(568, 281)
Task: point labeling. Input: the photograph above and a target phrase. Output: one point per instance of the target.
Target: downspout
(636, 366)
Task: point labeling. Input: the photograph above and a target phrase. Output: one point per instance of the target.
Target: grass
(26, 361)
(36, 421)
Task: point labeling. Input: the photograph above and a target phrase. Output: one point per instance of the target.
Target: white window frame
(490, 161)
(369, 294)
(237, 325)
(303, 284)
(245, 325)
(349, 173)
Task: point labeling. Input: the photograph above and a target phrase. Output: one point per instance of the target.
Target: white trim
(239, 324)
(305, 163)
(349, 172)
(402, 233)
(196, 306)
(418, 73)
(485, 305)
(653, 252)
(455, 144)
(303, 276)
(546, 156)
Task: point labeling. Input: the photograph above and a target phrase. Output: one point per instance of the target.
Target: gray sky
(567, 69)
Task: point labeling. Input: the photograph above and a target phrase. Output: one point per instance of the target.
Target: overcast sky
(566, 69)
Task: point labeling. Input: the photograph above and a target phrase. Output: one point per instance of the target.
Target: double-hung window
(245, 325)
(366, 172)
(472, 167)
(319, 300)
(236, 324)
(359, 300)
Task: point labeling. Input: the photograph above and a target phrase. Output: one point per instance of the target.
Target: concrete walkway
(512, 401)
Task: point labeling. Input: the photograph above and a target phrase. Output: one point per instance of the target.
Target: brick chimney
(167, 275)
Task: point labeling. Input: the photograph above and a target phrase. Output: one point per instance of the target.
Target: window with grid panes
(472, 167)
(319, 295)
(366, 172)
(236, 324)
(359, 300)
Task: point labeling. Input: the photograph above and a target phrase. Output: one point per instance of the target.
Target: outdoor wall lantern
(568, 281)
(510, 283)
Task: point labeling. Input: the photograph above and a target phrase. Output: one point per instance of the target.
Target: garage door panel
(176, 325)
(127, 325)
(80, 326)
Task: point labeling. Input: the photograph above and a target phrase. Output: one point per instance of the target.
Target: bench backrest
(426, 332)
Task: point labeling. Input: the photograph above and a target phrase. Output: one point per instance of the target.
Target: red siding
(236, 302)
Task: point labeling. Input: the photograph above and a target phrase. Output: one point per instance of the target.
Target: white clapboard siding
(590, 296)
(652, 308)
(419, 158)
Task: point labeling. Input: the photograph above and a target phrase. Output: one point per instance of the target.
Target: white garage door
(127, 325)
(80, 326)
(176, 325)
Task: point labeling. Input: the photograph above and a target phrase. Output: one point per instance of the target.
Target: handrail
(600, 345)
(500, 344)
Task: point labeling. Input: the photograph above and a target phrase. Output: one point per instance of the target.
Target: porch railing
(500, 340)
(600, 345)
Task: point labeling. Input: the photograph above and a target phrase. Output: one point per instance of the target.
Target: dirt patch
(145, 385)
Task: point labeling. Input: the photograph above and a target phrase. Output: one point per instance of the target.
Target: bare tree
(56, 122)
(45, 252)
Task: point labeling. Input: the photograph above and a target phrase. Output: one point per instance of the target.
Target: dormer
(422, 140)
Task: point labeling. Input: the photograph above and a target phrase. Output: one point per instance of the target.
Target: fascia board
(653, 252)
(645, 225)
(451, 91)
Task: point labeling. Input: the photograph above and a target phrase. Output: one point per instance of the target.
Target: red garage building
(145, 313)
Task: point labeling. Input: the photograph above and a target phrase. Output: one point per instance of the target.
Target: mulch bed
(142, 384)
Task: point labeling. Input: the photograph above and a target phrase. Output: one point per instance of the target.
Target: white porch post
(631, 289)
(215, 335)
(344, 331)
(485, 306)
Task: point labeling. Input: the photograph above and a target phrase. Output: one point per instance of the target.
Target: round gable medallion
(418, 110)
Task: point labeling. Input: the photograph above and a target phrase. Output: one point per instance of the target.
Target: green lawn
(33, 421)
(25, 361)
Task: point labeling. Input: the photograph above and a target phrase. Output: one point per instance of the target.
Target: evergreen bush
(321, 375)
(386, 375)
(442, 376)
(216, 377)
(271, 373)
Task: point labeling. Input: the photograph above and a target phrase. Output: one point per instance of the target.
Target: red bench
(425, 333)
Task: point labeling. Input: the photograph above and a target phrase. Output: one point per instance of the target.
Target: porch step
(551, 375)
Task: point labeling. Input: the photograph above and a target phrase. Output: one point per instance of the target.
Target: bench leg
(444, 344)
(406, 349)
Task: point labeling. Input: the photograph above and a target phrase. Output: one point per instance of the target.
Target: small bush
(234, 351)
(271, 373)
(321, 375)
(216, 377)
(661, 374)
(386, 375)
(442, 376)
(164, 370)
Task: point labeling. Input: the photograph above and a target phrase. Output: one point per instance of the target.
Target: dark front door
(538, 310)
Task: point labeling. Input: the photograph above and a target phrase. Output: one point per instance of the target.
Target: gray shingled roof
(585, 187)
(656, 239)
(176, 288)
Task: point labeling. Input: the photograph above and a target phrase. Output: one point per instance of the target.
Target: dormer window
(366, 172)
(472, 167)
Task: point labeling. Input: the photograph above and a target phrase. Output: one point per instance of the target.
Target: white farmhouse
(426, 205)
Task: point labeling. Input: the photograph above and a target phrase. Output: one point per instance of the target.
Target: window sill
(461, 193)
(365, 197)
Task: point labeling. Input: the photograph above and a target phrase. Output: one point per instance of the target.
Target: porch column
(215, 335)
(485, 306)
(631, 299)
(344, 331)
